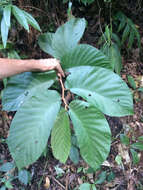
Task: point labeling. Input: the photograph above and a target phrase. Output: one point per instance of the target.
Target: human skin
(10, 67)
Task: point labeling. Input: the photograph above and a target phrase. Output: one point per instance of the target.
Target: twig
(100, 21)
(63, 92)
(31, 7)
(58, 182)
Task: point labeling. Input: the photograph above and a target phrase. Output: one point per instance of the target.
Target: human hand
(51, 64)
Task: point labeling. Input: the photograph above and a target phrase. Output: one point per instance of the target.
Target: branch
(63, 92)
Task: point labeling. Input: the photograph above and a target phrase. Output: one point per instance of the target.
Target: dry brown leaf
(47, 183)
(124, 153)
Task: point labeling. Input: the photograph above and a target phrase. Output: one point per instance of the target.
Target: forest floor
(48, 173)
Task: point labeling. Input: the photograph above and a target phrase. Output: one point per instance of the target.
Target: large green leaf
(31, 127)
(20, 16)
(92, 131)
(102, 88)
(85, 55)
(23, 86)
(67, 36)
(61, 137)
(45, 43)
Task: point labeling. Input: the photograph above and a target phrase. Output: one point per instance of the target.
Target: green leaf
(137, 36)
(20, 16)
(61, 137)
(114, 55)
(118, 159)
(131, 39)
(85, 186)
(122, 24)
(4, 32)
(92, 131)
(135, 156)
(67, 36)
(8, 185)
(74, 155)
(125, 33)
(102, 177)
(138, 146)
(124, 139)
(7, 14)
(102, 88)
(136, 32)
(116, 58)
(85, 55)
(3, 188)
(7, 167)
(59, 171)
(23, 176)
(140, 138)
(140, 89)
(111, 176)
(23, 86)
(116, 40)
(45, 43)
(32, 21)
(31, 126)
(131, 82)
(13, 55)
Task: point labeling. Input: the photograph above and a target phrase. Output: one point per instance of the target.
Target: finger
(60, 70)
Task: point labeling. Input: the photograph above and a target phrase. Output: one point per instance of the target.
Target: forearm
(10, 67)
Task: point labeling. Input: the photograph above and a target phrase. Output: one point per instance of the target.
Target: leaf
(31, 127)
(140, 138)
(13, 55)
(131, 39)
(23, 176)
(85, 55)
(23, 86)
(92, 131)
(125, 33)
(61, 137)
(138, 146)
(118, 159)
(3, 188)
(7, 14)
(102, 88)
(4, 32)
(8, 185)
(131, 82)
(137, 36)
(7, 167)
(116, 58)
(20, 16)
(67, 36)
(122, 24)
(74, 155)
(45, 43)
(114, 55)
(32, 21)
(102, 177)
(59, 171)
(116, 40)
(85, 186)
(111, 176)
(135, 156)
(124, 139)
